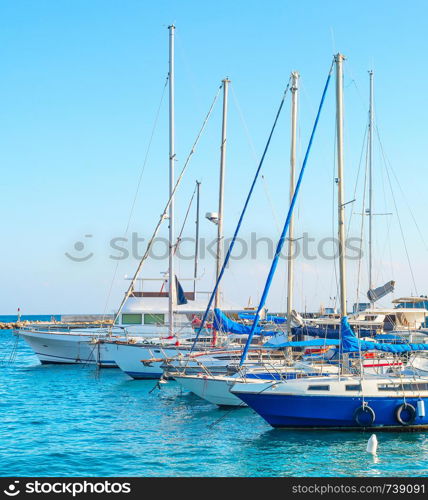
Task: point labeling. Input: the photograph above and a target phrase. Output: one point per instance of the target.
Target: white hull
(129, 357)
(64, 348)
(214, 390)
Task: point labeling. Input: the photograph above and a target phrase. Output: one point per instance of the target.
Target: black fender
(408, 408)
(364, 410)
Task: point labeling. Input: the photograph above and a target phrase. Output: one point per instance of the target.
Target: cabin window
(154, 319)
(319, 388)
(403, 387)
(389, 387)
(353, 387)
(131, 319)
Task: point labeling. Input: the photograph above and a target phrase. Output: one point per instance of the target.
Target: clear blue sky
(80, 85)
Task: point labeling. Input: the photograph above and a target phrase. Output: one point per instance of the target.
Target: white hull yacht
(142, 317)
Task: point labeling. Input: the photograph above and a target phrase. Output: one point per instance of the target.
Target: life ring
(366, 411)
(410, 409)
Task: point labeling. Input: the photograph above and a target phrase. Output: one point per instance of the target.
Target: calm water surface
(78, 421)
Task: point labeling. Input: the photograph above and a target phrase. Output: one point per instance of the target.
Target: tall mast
(220, 237)
(195, 272)
(171, 272)
(370, 209)
(340, 180)
(294, 103)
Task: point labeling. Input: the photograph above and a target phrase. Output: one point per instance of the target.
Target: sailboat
(345, 400)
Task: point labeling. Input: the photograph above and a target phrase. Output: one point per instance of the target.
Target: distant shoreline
(13, 318)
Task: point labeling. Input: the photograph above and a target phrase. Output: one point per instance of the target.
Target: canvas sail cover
(304, 343)
(350, 343)
(269, 317)
(224, 324)
(375, 294)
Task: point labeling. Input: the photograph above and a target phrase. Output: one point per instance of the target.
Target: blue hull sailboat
(345, 400)
(339, 403)
(351, 399)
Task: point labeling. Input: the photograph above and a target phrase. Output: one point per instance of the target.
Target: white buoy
(372, 444)
(421, 408)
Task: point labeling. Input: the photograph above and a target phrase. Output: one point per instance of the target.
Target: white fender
(372, 444)
(421, 408)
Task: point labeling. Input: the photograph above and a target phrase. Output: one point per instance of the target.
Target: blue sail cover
(224, 324)
(350, 343)
(305, 343)
(392, 339)
(270, 317)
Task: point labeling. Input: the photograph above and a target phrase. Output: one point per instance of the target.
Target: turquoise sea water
(77, 421)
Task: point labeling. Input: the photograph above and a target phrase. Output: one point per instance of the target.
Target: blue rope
(285, 228)
(232, 243)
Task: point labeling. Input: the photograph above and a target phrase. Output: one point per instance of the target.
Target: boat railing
(66, 328)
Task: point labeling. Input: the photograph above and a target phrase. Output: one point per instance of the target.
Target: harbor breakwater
(12, 322)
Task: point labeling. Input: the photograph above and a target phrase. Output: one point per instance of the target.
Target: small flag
(181, 297)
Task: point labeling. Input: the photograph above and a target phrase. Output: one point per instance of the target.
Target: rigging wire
(265, 185)
(363, 207)
(396, 209)
(163, 216)
(253, 152)
(241, 217)
(269, 199)
(403, 194)
(357, 179)
(178, 241)
(131, 212)
(281, 241)
(185, 220)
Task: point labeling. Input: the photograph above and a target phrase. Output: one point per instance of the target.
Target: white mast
(220, 236)
(340, 181)
(294, 102)
(171, 271)
(370, 209)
